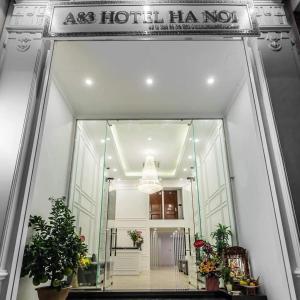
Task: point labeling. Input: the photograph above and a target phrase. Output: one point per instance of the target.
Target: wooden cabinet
(170, 205)
(163, 205)
(155, 206)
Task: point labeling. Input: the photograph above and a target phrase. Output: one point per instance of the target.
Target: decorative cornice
(271, 17)
(29, 16)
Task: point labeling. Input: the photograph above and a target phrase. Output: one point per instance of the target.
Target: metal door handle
(116, 238)
(110, 246)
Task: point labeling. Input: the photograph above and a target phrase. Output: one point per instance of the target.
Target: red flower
(82, 238)
(199, 244)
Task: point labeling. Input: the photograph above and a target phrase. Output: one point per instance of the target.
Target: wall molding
(3, 274)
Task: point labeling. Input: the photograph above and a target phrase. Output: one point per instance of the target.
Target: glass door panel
(86, 194)
(108, 232)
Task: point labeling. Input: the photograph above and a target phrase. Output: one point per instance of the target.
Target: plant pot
(228, 287)
(48, 293)
(74, 282)
(212, 283)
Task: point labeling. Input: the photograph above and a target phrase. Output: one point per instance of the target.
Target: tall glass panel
(108, 232)
(86, 197)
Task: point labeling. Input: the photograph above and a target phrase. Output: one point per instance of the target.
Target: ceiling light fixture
(109, 157)
(89, 81)
(149, 183)
(108, 139)
(185, 169)
(149, 138)
(190, 157)
(210, 80)
(102, 141)
(149, 81)
(115, 170)
(197, 140)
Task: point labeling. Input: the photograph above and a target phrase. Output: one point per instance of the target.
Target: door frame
(266, 122)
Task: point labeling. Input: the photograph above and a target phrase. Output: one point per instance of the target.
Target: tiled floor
(162, 278)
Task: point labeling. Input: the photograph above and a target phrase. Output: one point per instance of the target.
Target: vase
(212, 283)
(48, 293)
(74, 282)
(228, 287)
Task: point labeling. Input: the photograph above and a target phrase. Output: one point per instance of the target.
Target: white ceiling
(126, 144)
(162, 139)
(119, 69)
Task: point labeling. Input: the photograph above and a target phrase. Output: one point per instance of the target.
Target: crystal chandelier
(149, 182)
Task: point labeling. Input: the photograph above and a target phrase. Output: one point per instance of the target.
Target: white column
(20, 67)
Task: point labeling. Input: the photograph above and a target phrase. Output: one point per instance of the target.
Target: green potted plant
(228, 280)
(54, 251)
(222, 236)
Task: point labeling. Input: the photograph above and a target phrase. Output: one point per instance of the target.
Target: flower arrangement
(136, 237)
(210, 262)
(84, 262)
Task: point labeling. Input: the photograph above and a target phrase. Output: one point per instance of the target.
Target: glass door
(107, 249)
(111, 234)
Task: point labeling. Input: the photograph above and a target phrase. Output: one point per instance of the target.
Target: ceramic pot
(47, 293)
(228, 287)
(212, 283)
(74, 282)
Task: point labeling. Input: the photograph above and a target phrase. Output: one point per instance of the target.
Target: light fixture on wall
(149, 183)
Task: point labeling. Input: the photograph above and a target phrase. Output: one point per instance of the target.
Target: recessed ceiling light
(89, 81)
(102, 141)
(109, 157)
(190, 139)
(149, 138)
(149, 81)
(108, 139)
(115, 170)
(197, 140)
(190, 157)
(185, 169)
(210, 80)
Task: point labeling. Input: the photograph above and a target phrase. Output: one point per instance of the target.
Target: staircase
(141, 295)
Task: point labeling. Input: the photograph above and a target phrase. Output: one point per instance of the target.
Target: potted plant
(54, 252)
(136, 237)
(228, 280)
(210, 264)
(211, 257)
(222, 236)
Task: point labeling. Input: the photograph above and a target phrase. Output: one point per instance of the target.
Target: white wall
(53, 166)
(256, 222)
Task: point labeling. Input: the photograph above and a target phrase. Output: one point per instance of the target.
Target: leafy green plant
(55, 249)
(225, 274)
(222, 236)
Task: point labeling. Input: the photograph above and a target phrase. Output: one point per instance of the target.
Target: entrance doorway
(187, 105)
(107, 198)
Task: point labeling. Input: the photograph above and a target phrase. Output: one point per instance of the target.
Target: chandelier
(149, 182)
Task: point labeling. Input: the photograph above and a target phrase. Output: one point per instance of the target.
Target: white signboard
(154, 19)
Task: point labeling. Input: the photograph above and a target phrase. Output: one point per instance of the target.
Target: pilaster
(20, 66)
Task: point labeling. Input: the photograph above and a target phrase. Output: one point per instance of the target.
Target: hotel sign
(197, 18)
